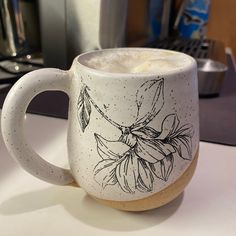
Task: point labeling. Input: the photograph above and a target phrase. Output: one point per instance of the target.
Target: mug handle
(12, 122)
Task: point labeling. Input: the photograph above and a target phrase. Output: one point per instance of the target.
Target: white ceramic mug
(132, 138)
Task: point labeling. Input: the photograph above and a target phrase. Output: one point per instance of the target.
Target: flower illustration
(141, 154)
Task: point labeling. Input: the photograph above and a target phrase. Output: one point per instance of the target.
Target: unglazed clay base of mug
(159, 199)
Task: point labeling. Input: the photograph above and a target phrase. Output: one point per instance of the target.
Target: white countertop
(29, 206)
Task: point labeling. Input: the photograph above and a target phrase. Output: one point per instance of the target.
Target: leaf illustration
(146, 132)
(184, 147)
(126, 173)
(150, 100)
(167, 166)
(181, 140)
(104, 172)
(113, 150)
(152, 150)
(169, 126)
(145, 178)
(186, 130)
(155, 169)
(84, 109)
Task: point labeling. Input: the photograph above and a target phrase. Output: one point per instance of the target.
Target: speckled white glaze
(116, 97)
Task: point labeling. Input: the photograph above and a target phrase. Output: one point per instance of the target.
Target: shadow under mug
(132, 137)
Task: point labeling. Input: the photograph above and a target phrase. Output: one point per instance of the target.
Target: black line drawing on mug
(142, 154)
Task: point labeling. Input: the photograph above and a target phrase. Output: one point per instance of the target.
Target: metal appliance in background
(19, 36)
(19, 27)
(211, 61)
(210, 76)
(70, 27)
(12, 32)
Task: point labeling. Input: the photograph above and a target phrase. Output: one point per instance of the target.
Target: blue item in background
(194, 19)
(155, 15)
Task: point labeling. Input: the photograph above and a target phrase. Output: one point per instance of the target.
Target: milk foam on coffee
(140, 61)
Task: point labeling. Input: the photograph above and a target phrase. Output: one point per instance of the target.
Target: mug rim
(77, 60)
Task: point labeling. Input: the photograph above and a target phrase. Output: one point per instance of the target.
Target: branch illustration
(142, 154)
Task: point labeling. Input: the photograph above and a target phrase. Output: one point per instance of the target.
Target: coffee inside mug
(135, 61)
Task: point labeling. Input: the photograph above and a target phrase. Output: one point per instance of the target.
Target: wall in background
(137, 20)
(222, 22)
